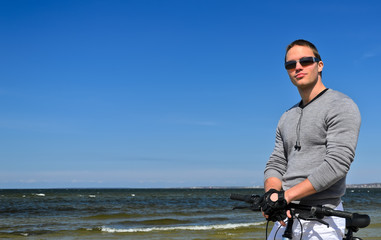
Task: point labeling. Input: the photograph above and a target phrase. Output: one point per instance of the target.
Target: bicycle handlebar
(354, 219)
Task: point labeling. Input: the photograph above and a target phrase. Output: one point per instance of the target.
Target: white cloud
(371, 53)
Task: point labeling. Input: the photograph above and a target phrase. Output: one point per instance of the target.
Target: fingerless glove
(276, 210)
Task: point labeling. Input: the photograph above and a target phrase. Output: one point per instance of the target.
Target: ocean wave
(161, 221)
(111, 216)
(191, 228)
(39, 194)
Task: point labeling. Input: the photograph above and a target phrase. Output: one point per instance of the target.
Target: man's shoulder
(341, 104)
(336, 94)
(338, 98)
(291, 112)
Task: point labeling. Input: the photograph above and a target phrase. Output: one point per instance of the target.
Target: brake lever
(312, 219)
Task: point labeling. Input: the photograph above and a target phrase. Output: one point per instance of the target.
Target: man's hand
(274, 206)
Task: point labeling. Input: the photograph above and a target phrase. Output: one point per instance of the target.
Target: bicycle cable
(301, 228)
(277, 231)
(267, 227)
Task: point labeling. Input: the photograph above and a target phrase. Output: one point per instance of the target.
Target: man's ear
(320, 66)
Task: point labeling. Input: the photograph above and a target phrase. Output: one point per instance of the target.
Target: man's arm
(273, 183)
(343, 126)
(276, 166)
(299, 191)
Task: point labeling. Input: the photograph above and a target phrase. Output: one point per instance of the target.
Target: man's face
(307, 76)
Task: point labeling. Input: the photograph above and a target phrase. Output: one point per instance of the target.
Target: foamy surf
(40, 194)
(190, 228)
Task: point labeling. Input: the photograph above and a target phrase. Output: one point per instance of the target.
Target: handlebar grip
(358, 220)
(331, 212)
(252, 199)
(241, 197)
(352, 219)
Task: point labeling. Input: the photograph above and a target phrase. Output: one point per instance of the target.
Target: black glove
(276, 211)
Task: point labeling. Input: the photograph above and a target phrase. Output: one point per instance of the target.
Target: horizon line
(357, 185)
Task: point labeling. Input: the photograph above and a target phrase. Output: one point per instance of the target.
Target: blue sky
(170, 93)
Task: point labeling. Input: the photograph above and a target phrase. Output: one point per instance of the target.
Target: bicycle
(354, 221)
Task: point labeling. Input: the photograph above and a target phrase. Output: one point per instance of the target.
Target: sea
(192, 213)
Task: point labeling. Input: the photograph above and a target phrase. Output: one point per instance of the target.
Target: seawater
(149, 214)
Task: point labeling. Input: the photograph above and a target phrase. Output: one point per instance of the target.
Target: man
(315, 145)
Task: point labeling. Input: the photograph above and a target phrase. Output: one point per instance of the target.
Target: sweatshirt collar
(301, 101)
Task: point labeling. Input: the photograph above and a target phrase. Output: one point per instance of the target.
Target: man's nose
(298, 65)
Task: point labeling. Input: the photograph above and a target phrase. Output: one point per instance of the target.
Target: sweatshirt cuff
(319, 183)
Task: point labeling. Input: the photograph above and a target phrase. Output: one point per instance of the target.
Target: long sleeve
(343, 126)
(277, 163)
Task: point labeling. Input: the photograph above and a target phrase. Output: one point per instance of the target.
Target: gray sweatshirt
(318, 142)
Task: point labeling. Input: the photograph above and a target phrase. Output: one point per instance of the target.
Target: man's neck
(308, 94)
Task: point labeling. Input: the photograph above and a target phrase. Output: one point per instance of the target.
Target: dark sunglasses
(306, 61)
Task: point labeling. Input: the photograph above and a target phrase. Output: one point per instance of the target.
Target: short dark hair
(302, 42)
